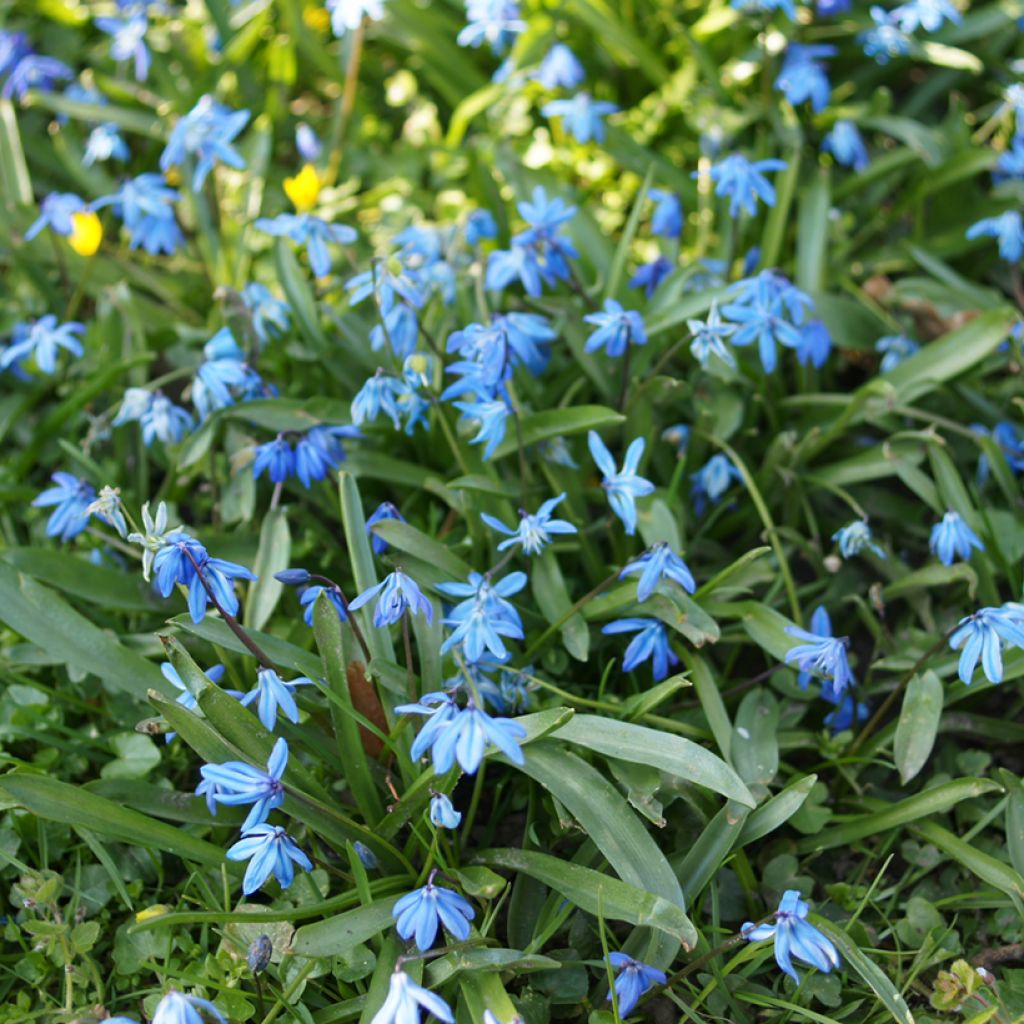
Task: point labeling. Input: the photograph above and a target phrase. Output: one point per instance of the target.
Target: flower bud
(259, 953)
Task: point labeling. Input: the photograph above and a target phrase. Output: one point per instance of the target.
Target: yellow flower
(304, 189)
(317, 18)
(172, 176)
(86, 233)
(157, 910)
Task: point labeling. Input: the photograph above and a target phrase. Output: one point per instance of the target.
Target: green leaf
(812, 231)
(611, 290)
(42, 617)
(755, 741)
(596, 893)
(936, 800)
(483, 960)
(554, 602)
(709, 850)
(664, 751)
(404, 537)
(776, 811)
(918, 724)
(336, 935)
(72, 805)
(930, 577)
(14, 177)
(272, 556)
(870, 973)
(542, 426)
(1014, 819)
(137, 755)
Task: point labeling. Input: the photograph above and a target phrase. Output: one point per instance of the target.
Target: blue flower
(1010, 163)
(55, 213)
(981, 635)
(273, 692)
(650, 643)
(667, 220)
(649, 275)
(388, 281)
(711, 481)
(490, 417)
(453, 734)
(887, 39)
(176, 1008)
(35, 72)
(347, 15)
(146, 205)
(854, 538)
(379, 394)
(442, 814)
(319, 451)
(419, 913)
(385, 510)
(516, 264)
(633, 980)
(677, 435)
(744, 182)
(766, 7)
(495, 22)
(815, 344)
(1008, 227)
(235, 783)
(275, 458)
(659, 563)
(709, 338)
(129, 41)
(848, 712)
(480, 224)
(70, 500)
(270, 851)
(582, 115)
(13, 46)
(952, 538)
(803, 77)
(617, 328)
(308, 601)
(844, 142)
(560, 68)
(185, 698)
(398, 594)
(311, 232)
(307, 142)
(896, 348)
(406, 999)
(927, 14)
(534, 531)
(206, 133)
(622, 487)
(224, 378)
(794, 936)
(105, 143)
(42, 340)
(769, 310)
(821, 654)
(270, 316)
(829, 8)
(484, 616)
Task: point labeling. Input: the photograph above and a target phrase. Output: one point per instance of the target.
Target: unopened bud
(259, 954)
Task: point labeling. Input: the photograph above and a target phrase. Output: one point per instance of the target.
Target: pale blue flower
(844, 142)
(632, 981)
(273, 692)
(952, 538)
(55, 213)
(177, 1008)
(982, 635)
(712, 480)
(146, 205)
(821, 655)
(623, 486)
(319, 451)
(1008, 228)
(649, 275)
(275, 458)
(398, 594)
(794, 936)
(185, 698)
(667, 220)
(766, 7)
(929, 15)
(70, 501)
(129, 41)
(307, 142)
(582, 114)
(442, 813)
(42, 341)
(649, 644)
(105, 143)
(420, 913)
(854, 538)
(744, 182)
(270, 316)
(895, 348)
(490, 418)
(347, 15)
(560, 68)
(484, 616)
(887, 39)
(270, 851)
(310, 232)
(462, 735)
(815, 344)
(617, 329)
(709, 337)
(205, 133)
(495, 22)
(659, 563)
(236, 783)
(534, 530)
(34, 71)
(803, 77)
(405, 1001)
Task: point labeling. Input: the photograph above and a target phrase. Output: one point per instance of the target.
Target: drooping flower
(489, 417)
(929, 15)
(709, 337)
(442, 813)
(41, 340)
(981, 635)
(270, 316)
(270, 851)
(420, 913)
(215, 673)
(649, 644)
(205, 133)
(617, 329)
(398, 594)
(895, 348)
(275, 458)
(105, 143)
(815, 344)
(308, 601)
(1008, 228)
(886, 39)
(560, 68)
(769, 310)
(484, 616)
(844, 142)
(235, 783)
(153, 539)
(625, 486)
(854, 538)
(495, 22)
(649, 275)
(667, 220)
(821, 654)
(55, 213)
(319, 451)
(379, 394)
(794, 936)
(178, 1008)
(659, 563)
(146, 205)
(711, 481)
(534, 530)
(310, 232)
(273, 692)
(582, 114)
(385, 510)
(405, 1001)
(744, 182)
(70, 501)
(632, 981)
(128, 41)
(34, 71)
(952, 538)
(803, 77)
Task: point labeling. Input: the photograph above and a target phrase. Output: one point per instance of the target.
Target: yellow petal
(304, 189)
(157, 910)
(86, 233)
(317, 18)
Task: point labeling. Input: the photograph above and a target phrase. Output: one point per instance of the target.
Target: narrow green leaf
(776, 811)
(553, 600)
(812, 232)
(272, 556)
(336, 935)
(542, 426)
